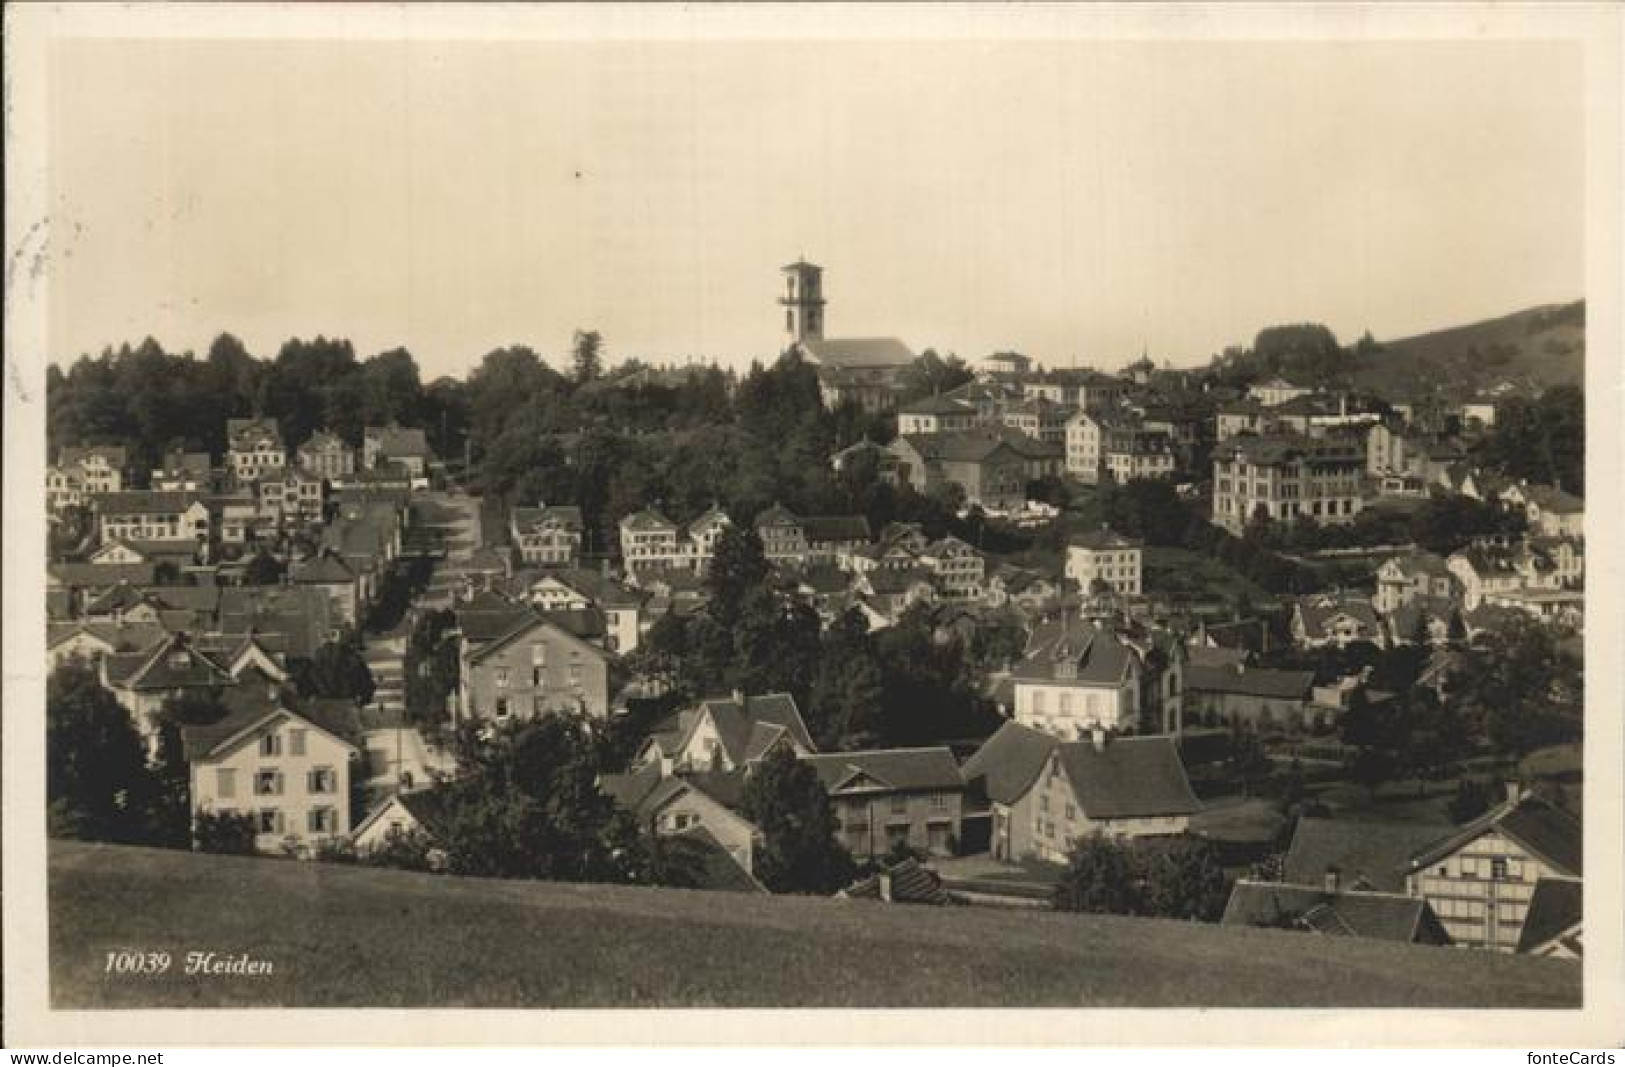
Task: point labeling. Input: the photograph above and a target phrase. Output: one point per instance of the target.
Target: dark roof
(748, 728)
(1382, 916)
(1556, 907)
(1533, 822)
(1128, 777)
(487, 616)
(1102, 538)
(719, 870)
(430, 807)
(835, 528)
(1378, 852)
(1250, 681)
(896, 768)
(325, 569)
(1099, 656)
(101, 575)
(963, 446)
(585, 623)
(1319, 609)
(844, 352)
(1009, 762)
(143, 502)
(399, 440)
(907, 881)
(1270, 450)
(937, 405)
(568, 516)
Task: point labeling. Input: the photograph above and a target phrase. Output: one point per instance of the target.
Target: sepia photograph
(707, 507)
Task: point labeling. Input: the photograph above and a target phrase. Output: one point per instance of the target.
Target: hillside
(348, 937)
(1535, 349)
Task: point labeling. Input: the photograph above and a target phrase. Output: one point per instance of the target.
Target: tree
(227, 832)
(586, 354)
(338, 671)
(263, 569)
(1101, 877)
(97, 782)
(738, 569)
(1184, 879)
(800, 853)
(848, 690)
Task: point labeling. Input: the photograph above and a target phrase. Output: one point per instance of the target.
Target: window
(268, 783)
(538, 655)
(322, 821)
(296, 742)
(502, 677)
(939, 801)
(322, 780)
(682, 821)
(502, 707)
(270, 821)
(536, 677)
(575, 675)
(225, 782)
(1071, 812)
(271, 745)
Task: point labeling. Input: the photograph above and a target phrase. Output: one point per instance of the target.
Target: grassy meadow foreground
(347, 937)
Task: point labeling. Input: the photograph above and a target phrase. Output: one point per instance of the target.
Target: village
(1247, 644)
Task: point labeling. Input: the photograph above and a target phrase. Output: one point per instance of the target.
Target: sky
(1080, 201)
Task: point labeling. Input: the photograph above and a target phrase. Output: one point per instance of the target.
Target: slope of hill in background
(352, 937)
(1533, 349)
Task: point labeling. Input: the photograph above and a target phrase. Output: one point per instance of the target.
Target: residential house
(726, 734)
(1045, 793)
(1334, 912)
(254, 449)
(146, 515)
(1275, 391)
(126, 551)
(549, 535)
(1261, 698)
(537, 666)
(1550, 511)
(186, 472)
(1322, 619)
(1487, 570)
(1104, 556)
(891, 592)
(701, 808)
(416, 811)
(1084, 678)
(1040, 418)
(890, 798)
(291, 494)
(64, 489)
(936, 414)
(1481, 879)
(1130, 450)
(575, 590)
(142, 681)
(1028, 590)
(1006, 364)
(336, 580)
(99, 468)
(327, 456)
(959, 569)
(1284, 477)
(1086, 446)
(650, 542)
(1402, 579)
(290, 770)
(1237, 417)
(88, 642)
(990, 470)
(1366, 855)
(395, 445)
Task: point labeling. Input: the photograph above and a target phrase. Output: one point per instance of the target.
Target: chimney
(885, 884)
(1514, 792)
(1333, 876)
(738, 695)
(1098, 737)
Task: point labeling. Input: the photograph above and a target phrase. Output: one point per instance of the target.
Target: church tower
(803, 302)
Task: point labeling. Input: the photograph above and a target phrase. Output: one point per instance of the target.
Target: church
(861, 370)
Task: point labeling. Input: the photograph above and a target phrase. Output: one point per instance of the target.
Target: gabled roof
(254, 710)
(1418, 563)
(567, 516)
(900, 769)
(601, 590)
(819, 528)
(647, 519)
(1320, 610)
(486, 616)
(530, 623)
(128, 637)
(174, 664)
(100, 575)
(905, 882)
(1381, 916)
(1556, 908)
(964, 446)
(1550, 498)
(71, 455)
(719, 870)
(748, 728)
(777, 515)
(1128, 778)
(848, 352)
(325, 569)
(1098, 657)
(937, 405)
(1102, 538)
(430, 808)
(1009, 762)
(1250, 681)
(144, 502)
(1532, 822)
(398, 440)
(1378, 852)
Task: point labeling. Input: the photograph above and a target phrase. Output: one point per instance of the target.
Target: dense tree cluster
(1181, 878)
(1541, 440)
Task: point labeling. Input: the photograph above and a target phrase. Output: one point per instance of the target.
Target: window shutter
(278, 781)
(311, 784)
